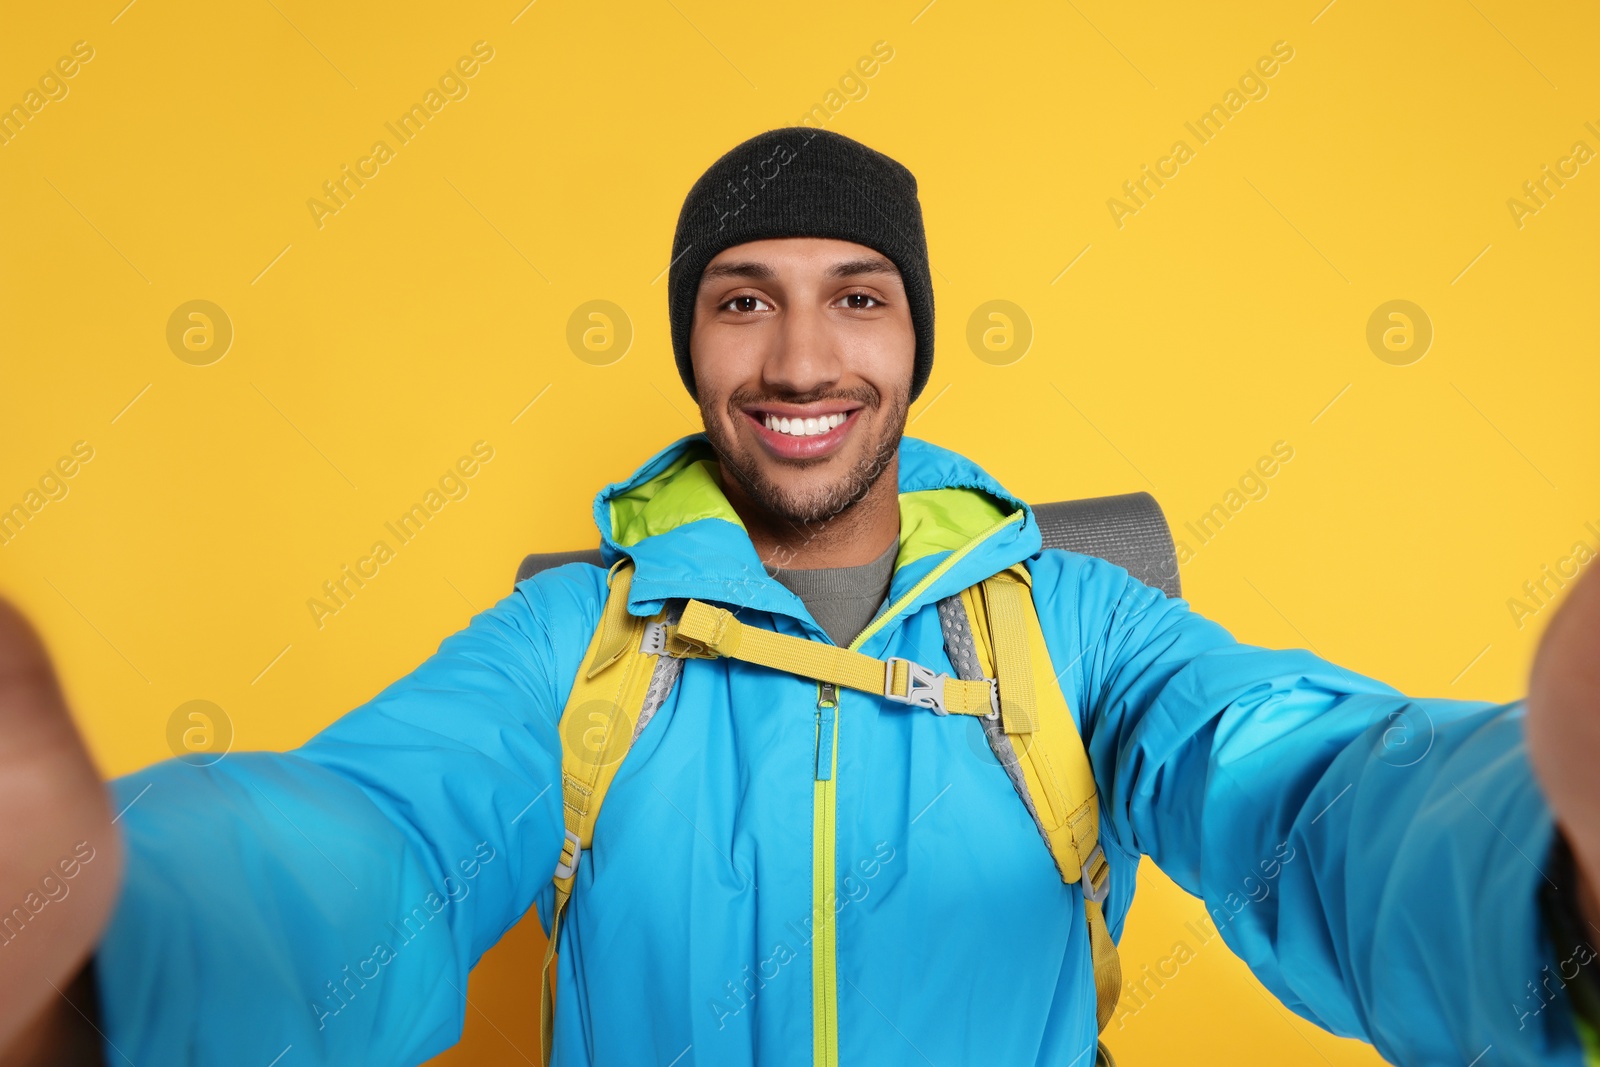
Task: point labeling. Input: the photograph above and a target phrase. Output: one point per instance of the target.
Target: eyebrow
(762, 272)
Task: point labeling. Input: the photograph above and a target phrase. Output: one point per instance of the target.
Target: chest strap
(706, 632)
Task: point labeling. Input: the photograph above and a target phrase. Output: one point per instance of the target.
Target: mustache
(865, 395)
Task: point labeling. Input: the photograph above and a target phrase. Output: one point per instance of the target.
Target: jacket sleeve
(332, 899)
(1373, 857)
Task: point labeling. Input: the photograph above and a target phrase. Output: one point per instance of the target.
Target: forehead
(773, 258)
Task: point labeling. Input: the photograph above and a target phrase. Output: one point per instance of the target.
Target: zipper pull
(827, 707)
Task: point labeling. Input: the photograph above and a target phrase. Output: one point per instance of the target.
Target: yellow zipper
(824, 839)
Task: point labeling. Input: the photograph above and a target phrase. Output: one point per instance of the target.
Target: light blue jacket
(1374, 858)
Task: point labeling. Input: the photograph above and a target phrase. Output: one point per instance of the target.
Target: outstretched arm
(1375, 858)
(333, 898)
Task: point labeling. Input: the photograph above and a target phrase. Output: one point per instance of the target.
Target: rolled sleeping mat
(1129, 530)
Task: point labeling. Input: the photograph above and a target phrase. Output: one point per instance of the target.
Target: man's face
(803, 352)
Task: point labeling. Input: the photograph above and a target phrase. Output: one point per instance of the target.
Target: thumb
(60, 855)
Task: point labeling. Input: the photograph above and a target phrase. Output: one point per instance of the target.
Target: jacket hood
(671, 517)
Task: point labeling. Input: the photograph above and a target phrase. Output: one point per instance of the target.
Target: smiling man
(858, 692)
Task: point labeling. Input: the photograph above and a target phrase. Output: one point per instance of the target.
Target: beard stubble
(802, 509)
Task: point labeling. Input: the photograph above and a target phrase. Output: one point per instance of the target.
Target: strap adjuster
(924, 688)
(1090, 893)
(563, 868)
(654, 641)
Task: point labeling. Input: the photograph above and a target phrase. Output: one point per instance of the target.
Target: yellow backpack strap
(621, 682)
(993, 629)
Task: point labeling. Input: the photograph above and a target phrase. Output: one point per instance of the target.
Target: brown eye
(862, 296)
(745, 304)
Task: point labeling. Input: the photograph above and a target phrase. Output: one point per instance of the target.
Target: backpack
(995, 643)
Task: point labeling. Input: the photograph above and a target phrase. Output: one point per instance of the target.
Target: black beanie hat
(802, 182)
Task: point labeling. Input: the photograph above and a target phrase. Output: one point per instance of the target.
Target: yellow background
(1229, 313)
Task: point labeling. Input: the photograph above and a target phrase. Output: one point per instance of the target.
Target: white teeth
(804, 427)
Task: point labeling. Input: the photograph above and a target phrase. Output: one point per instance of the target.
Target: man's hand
(60, 858)
(1563, 727)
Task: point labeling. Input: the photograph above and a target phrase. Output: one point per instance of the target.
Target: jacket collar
(671, 517)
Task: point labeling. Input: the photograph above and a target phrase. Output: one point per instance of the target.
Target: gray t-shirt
(843, 599)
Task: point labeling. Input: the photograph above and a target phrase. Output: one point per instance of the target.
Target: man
(763, 890)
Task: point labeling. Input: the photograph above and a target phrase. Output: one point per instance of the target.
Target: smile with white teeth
(805, 427)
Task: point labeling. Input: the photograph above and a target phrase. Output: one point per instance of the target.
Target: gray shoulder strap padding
(1128, 530)
(963, 653)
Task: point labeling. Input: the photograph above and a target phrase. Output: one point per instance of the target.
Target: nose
(803, 358)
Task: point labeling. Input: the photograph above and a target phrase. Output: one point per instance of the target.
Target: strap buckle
(563, 868)
(1091, 894)
(654, 642)
(924, 689)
